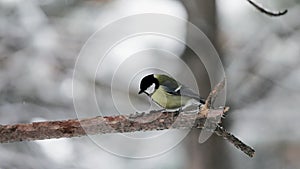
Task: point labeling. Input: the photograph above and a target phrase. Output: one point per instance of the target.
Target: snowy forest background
(41, 39)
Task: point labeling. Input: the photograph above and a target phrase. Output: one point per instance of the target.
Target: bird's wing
(171, 90)
(185, 91)
(170, 83)
(175, 88)
(188, 92)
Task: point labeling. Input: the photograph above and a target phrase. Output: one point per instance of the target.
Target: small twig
(213, 94)
(266, 11)
(220, 131)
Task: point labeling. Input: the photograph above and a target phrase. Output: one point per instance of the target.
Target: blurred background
(40, 41)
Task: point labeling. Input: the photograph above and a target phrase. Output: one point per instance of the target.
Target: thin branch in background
(266, 11)
(155, 120)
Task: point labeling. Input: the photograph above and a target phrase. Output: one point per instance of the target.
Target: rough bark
(155, 120)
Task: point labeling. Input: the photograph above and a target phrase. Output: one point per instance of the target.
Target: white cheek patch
(151, 89)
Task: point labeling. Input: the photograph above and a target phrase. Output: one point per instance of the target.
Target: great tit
(167, 92)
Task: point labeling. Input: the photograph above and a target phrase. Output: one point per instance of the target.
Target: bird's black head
(146, 82)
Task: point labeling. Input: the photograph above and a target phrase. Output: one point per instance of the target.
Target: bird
(167, 92)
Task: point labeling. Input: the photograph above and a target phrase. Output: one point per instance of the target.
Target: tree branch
(220, 131)
(155, 120)
(266, 11)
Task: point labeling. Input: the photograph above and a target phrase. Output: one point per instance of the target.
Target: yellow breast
(167, 100)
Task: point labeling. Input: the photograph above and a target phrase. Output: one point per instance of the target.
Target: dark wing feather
(188, 92)
(168, 82)
(183, 91)
(173, 87)
(172, 91)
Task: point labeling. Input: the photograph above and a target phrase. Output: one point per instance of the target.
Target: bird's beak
(140, 92)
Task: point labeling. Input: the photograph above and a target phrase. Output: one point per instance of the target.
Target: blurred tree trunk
(211, 154)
